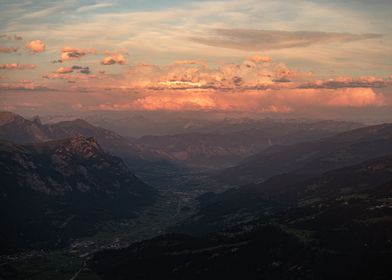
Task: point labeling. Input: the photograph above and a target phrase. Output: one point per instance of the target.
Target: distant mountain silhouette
(227, 142)
(312, 158)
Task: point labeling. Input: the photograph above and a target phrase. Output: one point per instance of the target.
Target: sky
(259, 56)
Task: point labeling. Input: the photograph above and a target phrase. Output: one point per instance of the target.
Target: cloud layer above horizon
(227, 55)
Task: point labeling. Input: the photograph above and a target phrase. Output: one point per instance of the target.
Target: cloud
(347, 82)
(64, 70)
(254, 101)
(11, 37)
(207, 101)
(36, 46)
(258, 58)
(72, 74)
(17, 66)
(85, 70)
(191, 62)
(282, 80)
(180, 102)
(253, 72)
(267, 100)
(69, 53)
(355, 97)
(8, 50)
(57, 61)
(81, 69)
(67, 76)
(257, 40)
(89, 8)
(24, 85)
(113, 59)
(143, 75)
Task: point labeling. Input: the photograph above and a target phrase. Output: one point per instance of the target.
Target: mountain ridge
(20, 130)
(347, 148)
(57, 190)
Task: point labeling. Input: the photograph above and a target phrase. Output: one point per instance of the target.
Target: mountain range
(57, 190)
(208, 146)
(309, 199)
(227, 142)
(314, 157)
(17, 129)
(336, 225)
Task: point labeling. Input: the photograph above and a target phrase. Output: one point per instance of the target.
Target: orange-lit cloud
(17, 66)
(210, 102)
(257, 84)
(251, 73)
(355, 97)
(113, 59)
(36, 46)
(191, 62)
(188, 101)
(64, 70)
(271, 101)
(258, 58)
(8, 50)
(69, 53)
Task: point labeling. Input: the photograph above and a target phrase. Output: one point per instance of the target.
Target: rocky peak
(80, 146)
(36, 120)
(80, 123)
(7, 117)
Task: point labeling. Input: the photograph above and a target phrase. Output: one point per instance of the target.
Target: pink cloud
(261, 101)
(17, 66)
(355, 97)
(8, 50)
(191, 62)
(65, 76)
(180, 102)
(23, 85)
(265, 101)
(36, 46)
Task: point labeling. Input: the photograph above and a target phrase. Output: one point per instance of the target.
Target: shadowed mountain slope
(56, 190)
